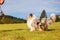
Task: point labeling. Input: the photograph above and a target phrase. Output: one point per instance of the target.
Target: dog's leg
(46, 27)
(32, 29)
(41, 28)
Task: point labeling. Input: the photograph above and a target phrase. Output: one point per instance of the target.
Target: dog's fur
(52, 19)
(44, 25)
(34, 23)
(31, 22)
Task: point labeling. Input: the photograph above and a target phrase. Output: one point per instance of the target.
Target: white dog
(52, 19)
(43, 25)
(30, 19)
(34, 23)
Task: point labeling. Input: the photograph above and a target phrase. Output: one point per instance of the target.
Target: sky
(21, 8)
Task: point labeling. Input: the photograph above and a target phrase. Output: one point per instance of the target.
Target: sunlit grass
(21, 32)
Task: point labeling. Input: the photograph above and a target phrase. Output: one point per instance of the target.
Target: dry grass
(21, 32)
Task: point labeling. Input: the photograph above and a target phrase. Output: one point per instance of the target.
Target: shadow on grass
(12, 30)
(51, 29)
(25, 29)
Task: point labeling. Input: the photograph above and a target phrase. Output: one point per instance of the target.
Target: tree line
(10, 19)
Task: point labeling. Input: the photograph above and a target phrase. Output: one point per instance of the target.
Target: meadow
(21, 32)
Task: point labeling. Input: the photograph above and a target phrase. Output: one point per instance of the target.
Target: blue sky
(21, 8)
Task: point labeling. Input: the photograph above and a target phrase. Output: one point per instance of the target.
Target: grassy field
(21, 32)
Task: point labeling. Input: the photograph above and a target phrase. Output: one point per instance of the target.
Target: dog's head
(30, 16)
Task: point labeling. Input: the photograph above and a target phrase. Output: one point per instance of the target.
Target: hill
(11, 19)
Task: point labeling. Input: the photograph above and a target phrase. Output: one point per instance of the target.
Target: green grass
(21, 32)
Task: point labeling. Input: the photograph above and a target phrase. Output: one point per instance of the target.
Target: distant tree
(57, 18)
(43, 14)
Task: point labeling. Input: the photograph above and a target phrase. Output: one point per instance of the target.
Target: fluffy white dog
(43, 24)
(52, 19)
(30, 19)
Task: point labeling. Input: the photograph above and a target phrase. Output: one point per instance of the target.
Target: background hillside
(11, 19)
